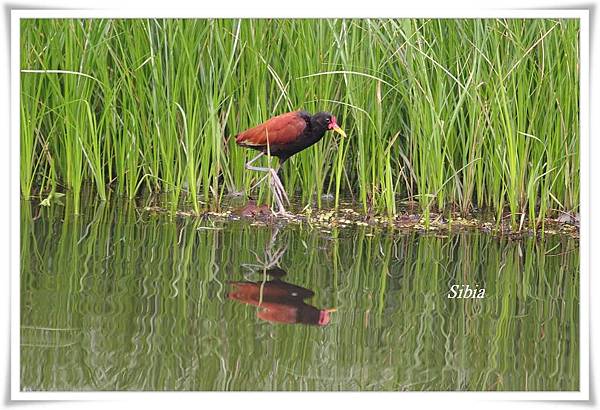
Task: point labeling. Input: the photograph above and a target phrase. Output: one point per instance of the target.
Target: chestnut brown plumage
(283, 136)
(279, 301)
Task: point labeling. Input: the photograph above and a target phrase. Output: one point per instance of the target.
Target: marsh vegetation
(461, 114)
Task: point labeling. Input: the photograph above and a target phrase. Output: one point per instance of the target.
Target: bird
(279, 301)
(283, 136)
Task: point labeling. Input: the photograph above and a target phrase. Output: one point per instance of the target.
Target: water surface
(122, 299)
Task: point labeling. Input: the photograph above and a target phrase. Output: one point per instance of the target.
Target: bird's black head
(323, 121)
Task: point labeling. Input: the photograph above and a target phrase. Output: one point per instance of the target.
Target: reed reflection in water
(120, 299)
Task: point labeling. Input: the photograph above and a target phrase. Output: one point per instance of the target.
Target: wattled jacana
(283, 136)
(279, 301)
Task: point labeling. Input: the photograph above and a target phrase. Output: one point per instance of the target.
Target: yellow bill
(339, 131)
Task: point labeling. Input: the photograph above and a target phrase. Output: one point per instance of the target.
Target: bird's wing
(246, 292)
(282, 129)
(278, 312)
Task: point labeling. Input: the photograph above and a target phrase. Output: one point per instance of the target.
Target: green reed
(479, 113)
(115, 299)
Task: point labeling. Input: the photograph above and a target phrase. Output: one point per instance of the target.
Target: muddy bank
(407, 220)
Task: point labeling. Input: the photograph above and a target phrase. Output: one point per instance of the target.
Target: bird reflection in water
(279, 301)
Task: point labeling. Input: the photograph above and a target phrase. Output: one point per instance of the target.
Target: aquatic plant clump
(461, 114)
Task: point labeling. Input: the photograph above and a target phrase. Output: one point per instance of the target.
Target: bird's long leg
(275, 183)
(278, 185)
(277, 197)
(259, 182)
(262, 169)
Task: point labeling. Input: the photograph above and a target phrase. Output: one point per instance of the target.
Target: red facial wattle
(323, 317)
(332, 123)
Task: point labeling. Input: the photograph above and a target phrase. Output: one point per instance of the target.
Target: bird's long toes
(284, 214)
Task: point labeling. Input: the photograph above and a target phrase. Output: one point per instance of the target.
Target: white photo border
(350, 12)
